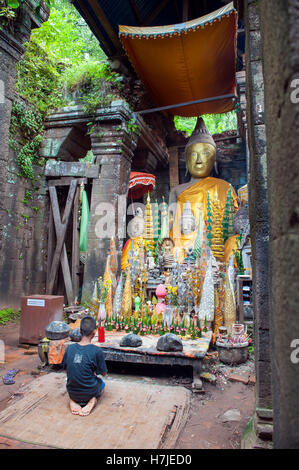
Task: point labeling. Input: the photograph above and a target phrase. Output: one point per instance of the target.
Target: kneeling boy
(83, 361)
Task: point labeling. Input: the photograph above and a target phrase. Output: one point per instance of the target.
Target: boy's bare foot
(75, 408)
(85, 411)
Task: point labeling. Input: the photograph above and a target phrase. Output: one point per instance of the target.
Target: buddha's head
(200, 151)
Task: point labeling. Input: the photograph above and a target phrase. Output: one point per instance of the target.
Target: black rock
(75, 335)
(131, 340)
(57, 330)
(169, 342)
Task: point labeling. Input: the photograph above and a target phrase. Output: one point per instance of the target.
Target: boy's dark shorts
(84, 400)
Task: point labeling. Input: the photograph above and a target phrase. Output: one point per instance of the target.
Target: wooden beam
(65, 181)
(136, 12)
(51, 246)
(74, 169)
(173, 167)
(177, 11)
(100, 14)
(67, 276)
(155, 13)
(185, 10)
(94, 27)
(60, 227)
(76, 245)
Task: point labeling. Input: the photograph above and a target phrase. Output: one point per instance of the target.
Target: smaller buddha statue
(150, 261)
(168, 258)
(135, 231)
(187, 221)
(190, 257)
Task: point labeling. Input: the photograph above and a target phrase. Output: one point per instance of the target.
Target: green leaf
(13, 3)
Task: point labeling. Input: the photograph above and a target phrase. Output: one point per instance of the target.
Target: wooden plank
(173, 167)
(100, 14)
(185, 10)
(74, 169)
(76, 245)
(94, 27)
(136, 11)
(60, 227)
(156, 12)
(51, 247)
(148, 416)
(65, 181)
(67, 276)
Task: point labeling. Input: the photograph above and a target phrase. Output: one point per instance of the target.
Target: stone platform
(192, 355)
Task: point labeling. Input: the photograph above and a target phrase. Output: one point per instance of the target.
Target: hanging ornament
(230, 301)
(206, 307)
(118, 298)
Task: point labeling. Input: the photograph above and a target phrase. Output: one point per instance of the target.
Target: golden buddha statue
(200, 154)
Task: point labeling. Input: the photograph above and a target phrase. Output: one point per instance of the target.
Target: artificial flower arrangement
(103, 288)
(234, 340)
(146, 327)
(172, 296)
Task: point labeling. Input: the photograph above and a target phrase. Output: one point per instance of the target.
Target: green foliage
(26, 135)
(9, 315)
(39, 79)
(132, 127)
(92, 83)
(216, 123)
(62, 62)
(66, 36)
(7, 10)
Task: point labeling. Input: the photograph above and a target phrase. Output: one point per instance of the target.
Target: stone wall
(21, 239)
(280, 32)
(24, 222)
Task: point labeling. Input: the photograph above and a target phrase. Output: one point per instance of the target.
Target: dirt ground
(206, 427)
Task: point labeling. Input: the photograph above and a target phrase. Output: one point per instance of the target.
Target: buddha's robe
(127, 249)
(196, 192)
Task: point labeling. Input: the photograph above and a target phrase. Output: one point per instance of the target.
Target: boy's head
(88, 326)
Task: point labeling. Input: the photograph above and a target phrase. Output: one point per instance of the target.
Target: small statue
(150, 261)
(187, 221)
(190, 257)
(168, 258)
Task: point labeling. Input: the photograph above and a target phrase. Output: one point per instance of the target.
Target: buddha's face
(200, 159)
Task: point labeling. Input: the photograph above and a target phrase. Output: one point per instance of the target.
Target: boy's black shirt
(83, 363)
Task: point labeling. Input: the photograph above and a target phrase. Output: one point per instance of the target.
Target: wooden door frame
(58, 225)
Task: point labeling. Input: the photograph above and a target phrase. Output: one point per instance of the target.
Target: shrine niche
(176, 276)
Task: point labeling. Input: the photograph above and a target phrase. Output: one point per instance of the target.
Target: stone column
(259, 431)
(280, 32)
(113, 148)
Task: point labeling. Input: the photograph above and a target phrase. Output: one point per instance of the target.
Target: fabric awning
(188, 61)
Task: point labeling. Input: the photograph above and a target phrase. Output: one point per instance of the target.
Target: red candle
(101, 334)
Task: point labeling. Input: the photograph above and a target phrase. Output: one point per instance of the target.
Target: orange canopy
(188, 61)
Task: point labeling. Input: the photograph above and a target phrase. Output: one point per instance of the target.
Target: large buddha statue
(200, 155)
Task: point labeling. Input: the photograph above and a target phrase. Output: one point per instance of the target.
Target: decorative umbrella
(140, 184)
